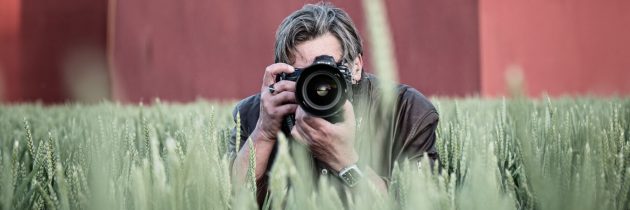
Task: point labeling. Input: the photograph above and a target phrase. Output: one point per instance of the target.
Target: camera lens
(322, 90)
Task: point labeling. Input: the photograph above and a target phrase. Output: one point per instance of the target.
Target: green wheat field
(568, 153)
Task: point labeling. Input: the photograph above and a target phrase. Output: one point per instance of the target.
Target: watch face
(351, 177)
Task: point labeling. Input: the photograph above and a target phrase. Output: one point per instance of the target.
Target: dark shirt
(407, 132)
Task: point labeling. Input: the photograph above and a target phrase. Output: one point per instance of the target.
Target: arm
(333, 144)
(273, 108)
(263, 147)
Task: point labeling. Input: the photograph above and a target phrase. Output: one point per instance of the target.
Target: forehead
(326, 44)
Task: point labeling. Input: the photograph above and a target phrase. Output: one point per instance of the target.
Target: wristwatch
(350, 175)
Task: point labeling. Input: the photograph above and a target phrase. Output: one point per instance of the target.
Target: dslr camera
(321, 89)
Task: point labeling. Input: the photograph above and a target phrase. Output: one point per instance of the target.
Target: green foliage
(495, 154)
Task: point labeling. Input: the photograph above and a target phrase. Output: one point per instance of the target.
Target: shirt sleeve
(417, 120)
(234, 132)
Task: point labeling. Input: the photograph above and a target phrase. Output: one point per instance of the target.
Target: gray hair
(312, 21)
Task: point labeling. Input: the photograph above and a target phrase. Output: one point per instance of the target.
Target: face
(326, 44)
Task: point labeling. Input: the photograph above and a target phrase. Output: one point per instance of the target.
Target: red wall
(563, 47)
(437, 45)
(9, 48)
(41, 36)
(181, 50)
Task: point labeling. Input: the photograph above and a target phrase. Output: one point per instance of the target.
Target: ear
(357, 65)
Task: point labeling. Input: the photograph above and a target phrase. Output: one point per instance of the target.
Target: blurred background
(137, 50)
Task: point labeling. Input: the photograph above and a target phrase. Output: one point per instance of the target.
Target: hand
(275, 106)
(331, 143)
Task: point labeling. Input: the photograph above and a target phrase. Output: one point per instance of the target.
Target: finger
(284, 85)
(303, 121)
(286, 109)
(306, 128)
(312, 121)
(283, 98)
(272, 71)
(315, 122)
(299, 114)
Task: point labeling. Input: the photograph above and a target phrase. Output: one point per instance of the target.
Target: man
(312, 31)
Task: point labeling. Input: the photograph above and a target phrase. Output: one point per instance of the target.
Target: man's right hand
(275, 106)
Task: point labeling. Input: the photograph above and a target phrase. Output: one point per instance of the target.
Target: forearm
(263, 148)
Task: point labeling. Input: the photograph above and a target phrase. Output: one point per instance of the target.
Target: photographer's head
(319, 29)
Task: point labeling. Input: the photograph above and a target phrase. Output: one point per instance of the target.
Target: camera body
(321, 89)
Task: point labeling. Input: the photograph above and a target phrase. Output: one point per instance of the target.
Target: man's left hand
(331, 143)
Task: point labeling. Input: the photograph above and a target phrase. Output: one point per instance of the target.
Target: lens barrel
(321, 90)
